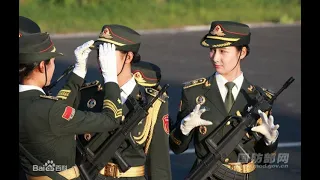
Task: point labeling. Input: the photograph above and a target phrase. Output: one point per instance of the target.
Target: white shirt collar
(127, 89)
(221, 81)
(23, 88)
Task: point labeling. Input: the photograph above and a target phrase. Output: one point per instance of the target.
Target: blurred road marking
(280, 145)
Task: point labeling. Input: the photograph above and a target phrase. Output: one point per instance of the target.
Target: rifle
(47, 89)
(212, 164)
(100, 150)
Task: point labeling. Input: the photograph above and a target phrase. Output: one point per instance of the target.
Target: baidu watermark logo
(49, 166)
(269, 161)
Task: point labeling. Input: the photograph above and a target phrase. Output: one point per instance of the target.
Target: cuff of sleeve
(110, 79)
(80, 72)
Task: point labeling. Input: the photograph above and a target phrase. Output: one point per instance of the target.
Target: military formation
(119, 127)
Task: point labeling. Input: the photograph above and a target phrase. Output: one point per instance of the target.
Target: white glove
(193, 120)
(267, 128)
(82, 53)
(108, 62)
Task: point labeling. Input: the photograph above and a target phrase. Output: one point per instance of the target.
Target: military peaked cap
(123, 37)
(226, 33)
(36, 47)
(27, 26)
(146, 74)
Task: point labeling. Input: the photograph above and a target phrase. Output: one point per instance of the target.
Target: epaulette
(90, 84)
(154, 93)
(49, 97)
(268, 92)
(195, 82)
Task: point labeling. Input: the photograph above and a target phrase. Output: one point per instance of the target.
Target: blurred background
(274, 57)
(65, 16)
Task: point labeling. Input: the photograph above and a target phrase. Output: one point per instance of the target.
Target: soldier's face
(225, 60)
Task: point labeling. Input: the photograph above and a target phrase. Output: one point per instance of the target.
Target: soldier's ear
(243, 52)
(42, 67)
(129, 57)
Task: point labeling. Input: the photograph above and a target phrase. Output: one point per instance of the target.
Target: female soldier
(149, 151)
(47, 126)
(223, 93)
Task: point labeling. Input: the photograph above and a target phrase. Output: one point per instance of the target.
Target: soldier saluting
(47, 125)
(224, 94)
(149, 151)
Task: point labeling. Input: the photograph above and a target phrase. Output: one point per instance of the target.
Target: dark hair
(136, 57)
(26, 69)
(239, 48)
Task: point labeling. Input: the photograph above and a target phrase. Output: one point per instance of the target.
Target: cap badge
(106, 34)
(217, 31)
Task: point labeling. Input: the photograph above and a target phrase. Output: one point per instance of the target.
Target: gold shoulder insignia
(49, 97)
(194, 83)
(90, 84)
(154, 93)
(268, 92)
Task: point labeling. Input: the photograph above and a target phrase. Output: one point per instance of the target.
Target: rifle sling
(52, 174)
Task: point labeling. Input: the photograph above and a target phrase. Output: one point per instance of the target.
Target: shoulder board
(49, 97)
(195, 82)
(90, 84)
(154, 93)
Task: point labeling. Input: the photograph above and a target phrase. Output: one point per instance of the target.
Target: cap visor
(36, 57)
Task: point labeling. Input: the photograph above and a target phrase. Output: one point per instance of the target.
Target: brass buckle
(111, 170)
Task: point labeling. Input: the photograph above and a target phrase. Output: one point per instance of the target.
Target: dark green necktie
(229, 98)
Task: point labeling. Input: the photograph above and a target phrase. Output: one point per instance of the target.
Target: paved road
(275, 56)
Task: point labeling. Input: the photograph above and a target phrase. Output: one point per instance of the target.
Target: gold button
(228, 123)
(226, 160)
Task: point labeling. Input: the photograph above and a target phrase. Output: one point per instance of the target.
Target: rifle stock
(219, 151)
(99, 154)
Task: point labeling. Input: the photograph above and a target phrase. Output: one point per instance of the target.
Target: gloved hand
(267, 128)
(108, 62)
(193, 120)
(82, 53)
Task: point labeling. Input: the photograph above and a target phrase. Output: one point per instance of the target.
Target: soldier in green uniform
(206, 102)
(26, 26)
(149, 158)
(47, 125)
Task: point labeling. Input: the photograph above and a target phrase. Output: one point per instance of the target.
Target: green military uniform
(205, 91)
(48, 125)
(150, 157)
(26, 26)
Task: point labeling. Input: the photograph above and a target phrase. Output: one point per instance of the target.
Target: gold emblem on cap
(106, 34)
(200, 100)
(203, 130)
(217, 31)
(91, 103)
